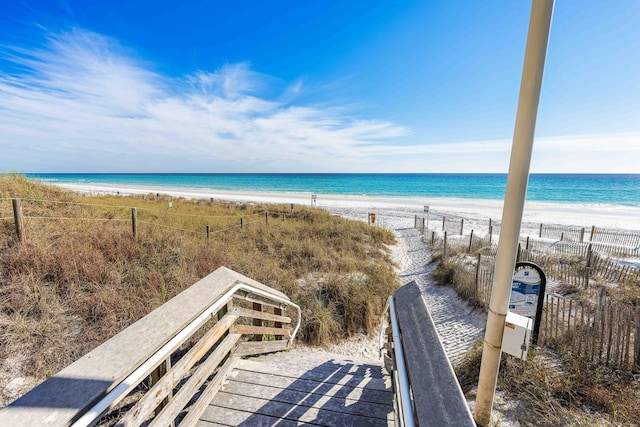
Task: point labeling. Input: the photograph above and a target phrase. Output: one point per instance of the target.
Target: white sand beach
(476, 212)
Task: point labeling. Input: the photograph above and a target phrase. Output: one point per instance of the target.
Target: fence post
(582, 235)
(18, 219)
(589, 257)
(462, 226)
(423, 226)
(444, 250)
(540, 234)
(562, 236)
(527, 246)
(134, 222)
(444, 218)
(241, 223)
(470, 240)
(478, 275)
(415, 221)
(593, 231)
(266, 218)
(433, 237)
(208, 231)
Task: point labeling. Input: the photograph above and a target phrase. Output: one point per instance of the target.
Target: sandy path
(458, 325)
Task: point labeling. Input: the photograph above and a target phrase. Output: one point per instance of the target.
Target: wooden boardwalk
(296, 387)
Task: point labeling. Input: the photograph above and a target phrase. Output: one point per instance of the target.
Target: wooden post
(588, 269)
(527, 246)
(444, 218)
(134, 222)
(208, 231)
(278, 311)
(241, 223)
(18, 219)
(562, 236)
(540, 234)
(461, 226)
(593, 231)
(415, 221)
(444, 250)
(582, 235)
(266, 218)
(423, 226)
(490, 225)
(478, 274)
(470, 240)
(433, 237)
(257, 322)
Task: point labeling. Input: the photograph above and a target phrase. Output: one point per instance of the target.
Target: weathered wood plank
(439, 401)
(309, 386)
(205, 369)
(212, 388)
(264, 315)
(316, 400)
(258, 347)
(315, 375)
(293, 412)
(217, 416)
(259, 330)
(165, 385)
(293, 364)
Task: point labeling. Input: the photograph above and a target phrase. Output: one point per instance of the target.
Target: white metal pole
(535, 52)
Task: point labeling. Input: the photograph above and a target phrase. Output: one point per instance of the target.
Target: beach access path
(459, 325)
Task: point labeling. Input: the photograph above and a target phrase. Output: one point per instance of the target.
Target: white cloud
(84, 103)
(81, 104)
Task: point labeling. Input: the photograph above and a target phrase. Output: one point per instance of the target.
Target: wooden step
(297, 387)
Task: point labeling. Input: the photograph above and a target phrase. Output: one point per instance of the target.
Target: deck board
(296, 388)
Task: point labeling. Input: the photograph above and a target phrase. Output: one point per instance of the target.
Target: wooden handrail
(205, 325)
(426, 389)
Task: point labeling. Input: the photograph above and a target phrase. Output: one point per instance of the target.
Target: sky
(312, 86)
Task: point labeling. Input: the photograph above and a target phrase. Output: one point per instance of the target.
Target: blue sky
(312, 86)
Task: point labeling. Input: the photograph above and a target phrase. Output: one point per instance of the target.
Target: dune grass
(80, 277)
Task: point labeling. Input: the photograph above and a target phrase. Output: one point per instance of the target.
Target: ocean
(614, 189)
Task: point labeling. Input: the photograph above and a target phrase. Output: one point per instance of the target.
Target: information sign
(527, 293)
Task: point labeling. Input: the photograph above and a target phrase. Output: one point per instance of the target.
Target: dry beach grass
(76, 282)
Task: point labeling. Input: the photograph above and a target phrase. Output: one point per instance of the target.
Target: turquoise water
(617, 189)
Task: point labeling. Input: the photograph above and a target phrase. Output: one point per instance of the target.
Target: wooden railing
(165, 368)
(427, 392)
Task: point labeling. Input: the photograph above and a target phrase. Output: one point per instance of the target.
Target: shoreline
(585, 215)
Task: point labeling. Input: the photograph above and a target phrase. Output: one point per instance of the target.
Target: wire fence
(24, 213)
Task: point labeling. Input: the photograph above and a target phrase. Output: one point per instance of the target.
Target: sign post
(527, 294)
(314, 199)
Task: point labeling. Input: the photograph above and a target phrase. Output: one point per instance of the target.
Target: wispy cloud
(82, 102)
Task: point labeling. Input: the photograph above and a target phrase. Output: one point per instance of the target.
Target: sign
(527, 293)
(314, 199)
(426, 209)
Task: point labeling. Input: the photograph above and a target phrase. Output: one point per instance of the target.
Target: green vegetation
(80, 277)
